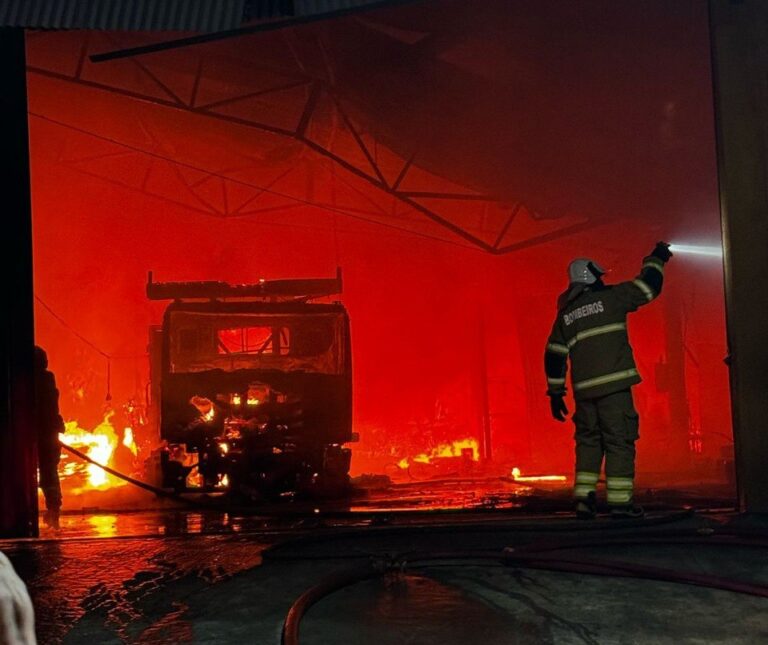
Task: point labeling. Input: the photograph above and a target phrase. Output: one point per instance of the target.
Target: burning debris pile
(465, 449)
(462, 457)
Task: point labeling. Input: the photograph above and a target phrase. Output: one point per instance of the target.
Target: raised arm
(647, 286)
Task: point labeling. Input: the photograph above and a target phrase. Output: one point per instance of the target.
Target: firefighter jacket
(47, 418)
(591, 329)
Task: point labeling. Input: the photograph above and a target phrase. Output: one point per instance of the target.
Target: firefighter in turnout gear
(591, 329)
(49, 424)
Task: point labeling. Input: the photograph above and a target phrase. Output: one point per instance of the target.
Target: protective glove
(661, 251)
(17, 618)
(557, 405)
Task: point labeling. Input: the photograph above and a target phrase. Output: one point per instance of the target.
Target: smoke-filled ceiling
(451, 157)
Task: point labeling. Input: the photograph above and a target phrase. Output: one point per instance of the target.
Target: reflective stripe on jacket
(591, 329)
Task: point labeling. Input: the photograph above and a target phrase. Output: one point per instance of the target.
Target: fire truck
(251, 387)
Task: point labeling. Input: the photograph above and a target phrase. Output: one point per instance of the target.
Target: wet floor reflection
(411, 609)
(216, 589)
(169, 523)
(104, 525)
(109, 580)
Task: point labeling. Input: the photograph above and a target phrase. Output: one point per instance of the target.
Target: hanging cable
(107, 357)
(71, 329)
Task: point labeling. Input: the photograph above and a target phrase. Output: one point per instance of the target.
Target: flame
(453, 449)
(233, 433)
(205, 407)
(99, 444)
(257, 392)
(236, 399)
(195, 479)
(224, 447)
(518, 477)
(129, 442)
(442, 451)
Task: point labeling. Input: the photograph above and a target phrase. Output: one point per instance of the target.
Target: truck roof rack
(301, 289)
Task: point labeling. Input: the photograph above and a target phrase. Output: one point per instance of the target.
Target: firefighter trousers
(606, 427)
(48, 463)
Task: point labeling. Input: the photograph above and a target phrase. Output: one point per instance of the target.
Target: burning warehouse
(353, 272)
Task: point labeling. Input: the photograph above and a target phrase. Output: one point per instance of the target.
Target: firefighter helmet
(584, 271)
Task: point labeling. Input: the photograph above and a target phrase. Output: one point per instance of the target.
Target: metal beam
(18, 440)
(310, 15)
(130, 15)
(739, 38)
(411, 198)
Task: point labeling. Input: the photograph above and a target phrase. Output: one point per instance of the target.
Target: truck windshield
(254, 340)
(201, 341)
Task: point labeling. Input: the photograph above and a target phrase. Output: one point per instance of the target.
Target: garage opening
(438, 164)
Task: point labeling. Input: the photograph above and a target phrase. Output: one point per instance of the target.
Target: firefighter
(591, 329)
(48, 425)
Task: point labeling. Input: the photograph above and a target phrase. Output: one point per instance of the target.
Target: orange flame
(444, 450)
(129, 442)
(205, 407)
(99, 444)
(519, 477)
(453, 449)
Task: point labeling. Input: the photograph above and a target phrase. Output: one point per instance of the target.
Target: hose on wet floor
(511, 524)
(523, 558)
(160, 492)
(531, 557)
(515, 524)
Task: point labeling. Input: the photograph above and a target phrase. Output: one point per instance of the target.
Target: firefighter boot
(51, 518)
(627, 512)
(586, 509)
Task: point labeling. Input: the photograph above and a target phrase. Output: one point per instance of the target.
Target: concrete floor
(203, 581)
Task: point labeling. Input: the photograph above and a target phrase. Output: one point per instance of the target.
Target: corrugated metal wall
(139, 15)
(162, 15)
(313, 7)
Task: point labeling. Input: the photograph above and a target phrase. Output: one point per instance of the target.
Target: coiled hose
(539, 557)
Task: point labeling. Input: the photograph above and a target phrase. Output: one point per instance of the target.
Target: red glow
(105, 213)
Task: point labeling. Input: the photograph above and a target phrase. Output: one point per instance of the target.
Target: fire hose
(513, 524)
(531, 557)
(160, 492)
(701, 537)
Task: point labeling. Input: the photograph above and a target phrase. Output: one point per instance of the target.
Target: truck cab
(251, 386)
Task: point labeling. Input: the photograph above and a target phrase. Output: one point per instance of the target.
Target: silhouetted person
(49, 424)
(591, 330)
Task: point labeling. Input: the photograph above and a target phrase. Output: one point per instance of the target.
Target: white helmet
(584, 271)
